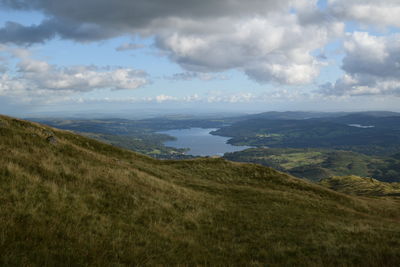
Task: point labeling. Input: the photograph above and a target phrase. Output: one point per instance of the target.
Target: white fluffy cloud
(33, 78)
(375, 12)
(371, 65)
(277, 48)
(78, 78)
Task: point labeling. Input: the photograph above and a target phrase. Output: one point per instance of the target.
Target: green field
(316, 164)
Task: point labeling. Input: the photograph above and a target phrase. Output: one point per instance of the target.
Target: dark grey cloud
(19, 34)
(265, 39)
(101, 19)
(138, 13)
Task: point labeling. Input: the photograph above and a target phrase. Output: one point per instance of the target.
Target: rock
(52, 140)
(49, 133)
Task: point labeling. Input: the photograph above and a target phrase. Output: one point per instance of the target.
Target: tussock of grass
(82, 202)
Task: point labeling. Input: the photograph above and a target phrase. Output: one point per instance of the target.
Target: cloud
(189, 76)
(371, 65)
(211, 97)
(86, 20)
(36, 78)
(277, 49)
(164, 98)
(135, 14)
(3, 64)
(266, 39)
(129, 46)
(382, 12)
(15, 33)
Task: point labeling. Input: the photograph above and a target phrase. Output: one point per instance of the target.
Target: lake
(361, 126)
(201, 142)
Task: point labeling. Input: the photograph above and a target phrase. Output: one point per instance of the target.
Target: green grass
(315, 164)
(81, 202)
(356, 185)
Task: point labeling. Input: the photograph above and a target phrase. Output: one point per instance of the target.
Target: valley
(304, 144)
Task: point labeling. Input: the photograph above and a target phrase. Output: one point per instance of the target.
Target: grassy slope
(316, 164)
(361, 186)
(80, 202)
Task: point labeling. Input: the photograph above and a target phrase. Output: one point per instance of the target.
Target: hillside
(68, 200)
(361, 186)
(362, 133)
(315, 164)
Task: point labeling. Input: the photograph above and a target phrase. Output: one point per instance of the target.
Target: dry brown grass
(82, 202)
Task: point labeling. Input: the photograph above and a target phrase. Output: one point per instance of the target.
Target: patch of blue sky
(322, 4)
(376, 30)
(383, 31)
(23, 17)
(329, 74)
(104, 53)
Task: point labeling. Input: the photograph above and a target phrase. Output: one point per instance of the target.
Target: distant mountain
(67, 200)
(383, 122)
(302, 115)
(379, 114)
(356, 132)
(291, 115)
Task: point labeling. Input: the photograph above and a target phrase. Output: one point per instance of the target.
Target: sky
(136, 56)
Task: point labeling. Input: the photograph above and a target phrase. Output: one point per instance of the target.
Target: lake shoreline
(201, 142)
